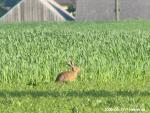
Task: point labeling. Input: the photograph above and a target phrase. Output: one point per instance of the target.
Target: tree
(71, 8)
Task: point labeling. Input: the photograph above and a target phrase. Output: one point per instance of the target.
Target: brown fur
(68, 75)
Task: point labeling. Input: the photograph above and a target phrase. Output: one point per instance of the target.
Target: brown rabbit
(68, 75)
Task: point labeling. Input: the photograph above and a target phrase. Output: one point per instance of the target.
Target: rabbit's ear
(70, 63)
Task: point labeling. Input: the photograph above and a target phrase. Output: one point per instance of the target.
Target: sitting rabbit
(68, 75)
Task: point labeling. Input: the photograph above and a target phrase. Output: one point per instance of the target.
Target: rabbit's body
(68, 75)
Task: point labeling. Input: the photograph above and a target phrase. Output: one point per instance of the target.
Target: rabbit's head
(73, 67)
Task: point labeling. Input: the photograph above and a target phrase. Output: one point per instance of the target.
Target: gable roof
(36, 10)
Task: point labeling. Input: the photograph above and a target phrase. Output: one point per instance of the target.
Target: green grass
(76, 97)
(114, 59)
(39, 51)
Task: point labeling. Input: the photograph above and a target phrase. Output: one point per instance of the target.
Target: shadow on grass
(74, 93)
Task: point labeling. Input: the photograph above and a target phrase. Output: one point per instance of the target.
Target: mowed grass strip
(75, 97)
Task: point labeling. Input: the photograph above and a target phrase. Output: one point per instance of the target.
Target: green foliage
(113, 57)
(76, 97)
(39, 52)
(1, 1)
(71, 8)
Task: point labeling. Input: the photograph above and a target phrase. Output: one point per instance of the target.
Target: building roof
(36, 10)
(11, 3)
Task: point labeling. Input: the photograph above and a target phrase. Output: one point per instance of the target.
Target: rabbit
(68, 75)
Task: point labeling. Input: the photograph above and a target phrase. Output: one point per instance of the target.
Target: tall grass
(39, 52)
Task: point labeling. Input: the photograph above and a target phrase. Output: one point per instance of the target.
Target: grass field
(114, 59)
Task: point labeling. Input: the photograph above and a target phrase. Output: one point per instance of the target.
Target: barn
(35, 10)
(88, 10)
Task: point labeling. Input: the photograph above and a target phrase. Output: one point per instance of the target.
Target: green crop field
(114, 59)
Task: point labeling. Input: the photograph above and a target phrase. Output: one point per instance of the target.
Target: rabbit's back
(66, 76)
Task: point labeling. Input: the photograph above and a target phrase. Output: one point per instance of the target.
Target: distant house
(35, 10)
